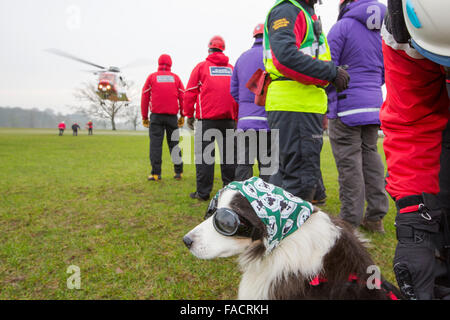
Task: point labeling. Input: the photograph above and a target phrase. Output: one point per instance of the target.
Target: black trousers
(444, 197)
(161, 124)
(90, 132)
(320, 189)
(207, 132)
(253, 144)
(419, 274)
(444, 174)
(301, 140)
(61, 132)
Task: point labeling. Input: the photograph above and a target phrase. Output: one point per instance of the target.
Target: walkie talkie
(317, 34)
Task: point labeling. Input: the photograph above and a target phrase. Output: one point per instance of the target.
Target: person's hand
(342, 79)
(190, 123)
(181, 122)
(146, 123)
(325, 122)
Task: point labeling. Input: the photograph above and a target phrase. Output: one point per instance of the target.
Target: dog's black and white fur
(322, 246)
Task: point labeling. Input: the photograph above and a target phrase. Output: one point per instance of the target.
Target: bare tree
(97, 107)
(132, 114)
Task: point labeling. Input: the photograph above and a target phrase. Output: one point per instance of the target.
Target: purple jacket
(250, 115)
(355, 41)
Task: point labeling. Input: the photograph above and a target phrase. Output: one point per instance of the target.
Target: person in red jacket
(162, 95)
(90, 126)
(208, 96)
(61, 127)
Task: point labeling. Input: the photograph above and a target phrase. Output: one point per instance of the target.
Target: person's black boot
(195, 195)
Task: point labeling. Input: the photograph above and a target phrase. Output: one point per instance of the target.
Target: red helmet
(217, 42)
(259, 29)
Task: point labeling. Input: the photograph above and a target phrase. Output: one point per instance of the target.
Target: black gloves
(342, 79)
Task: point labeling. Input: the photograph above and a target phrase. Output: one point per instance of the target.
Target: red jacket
(62, 126)
(163, 91)
(209, 89)
(413, 118)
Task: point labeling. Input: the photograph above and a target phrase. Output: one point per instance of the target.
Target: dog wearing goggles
(287, 248)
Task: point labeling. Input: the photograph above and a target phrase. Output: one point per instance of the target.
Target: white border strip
(356, 111)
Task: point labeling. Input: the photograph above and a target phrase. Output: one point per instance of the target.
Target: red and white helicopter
(111, 85)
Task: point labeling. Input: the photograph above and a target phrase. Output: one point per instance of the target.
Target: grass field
(85, 201)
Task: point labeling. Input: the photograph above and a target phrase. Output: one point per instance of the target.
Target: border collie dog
(308, 256)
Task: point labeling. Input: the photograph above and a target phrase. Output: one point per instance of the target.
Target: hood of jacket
(365, 11)
(165, 63)
(218, 58)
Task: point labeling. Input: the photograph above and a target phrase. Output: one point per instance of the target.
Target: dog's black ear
(258, 234)
(242, 207)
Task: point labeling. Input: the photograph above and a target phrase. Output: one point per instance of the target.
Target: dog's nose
(187, 241)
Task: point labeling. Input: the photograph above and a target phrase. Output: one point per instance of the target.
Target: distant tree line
(15, 117)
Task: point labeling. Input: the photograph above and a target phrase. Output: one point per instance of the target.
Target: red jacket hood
(165, 63)
(218, 58)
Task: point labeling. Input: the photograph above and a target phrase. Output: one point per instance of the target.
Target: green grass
(85, 201)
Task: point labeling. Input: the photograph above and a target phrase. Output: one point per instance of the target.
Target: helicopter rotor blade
(137, 63)
(96, 72)
(72, 57)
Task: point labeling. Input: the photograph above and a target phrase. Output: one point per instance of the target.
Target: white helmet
(428, 23)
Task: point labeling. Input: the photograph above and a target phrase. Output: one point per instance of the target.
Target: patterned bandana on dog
(280, 211)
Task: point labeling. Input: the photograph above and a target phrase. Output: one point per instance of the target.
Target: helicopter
(111, 85)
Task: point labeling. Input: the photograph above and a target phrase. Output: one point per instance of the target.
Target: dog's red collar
(316, 281)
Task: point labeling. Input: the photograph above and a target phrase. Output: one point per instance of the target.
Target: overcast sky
(115, 33)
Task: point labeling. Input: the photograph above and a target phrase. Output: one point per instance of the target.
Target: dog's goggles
(211, 208)
(227, 222)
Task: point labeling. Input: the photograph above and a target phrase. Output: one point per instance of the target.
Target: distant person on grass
(90, 126)
(61, 127)
(75, 128)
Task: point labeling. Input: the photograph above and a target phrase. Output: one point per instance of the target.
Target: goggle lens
(226, 221)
